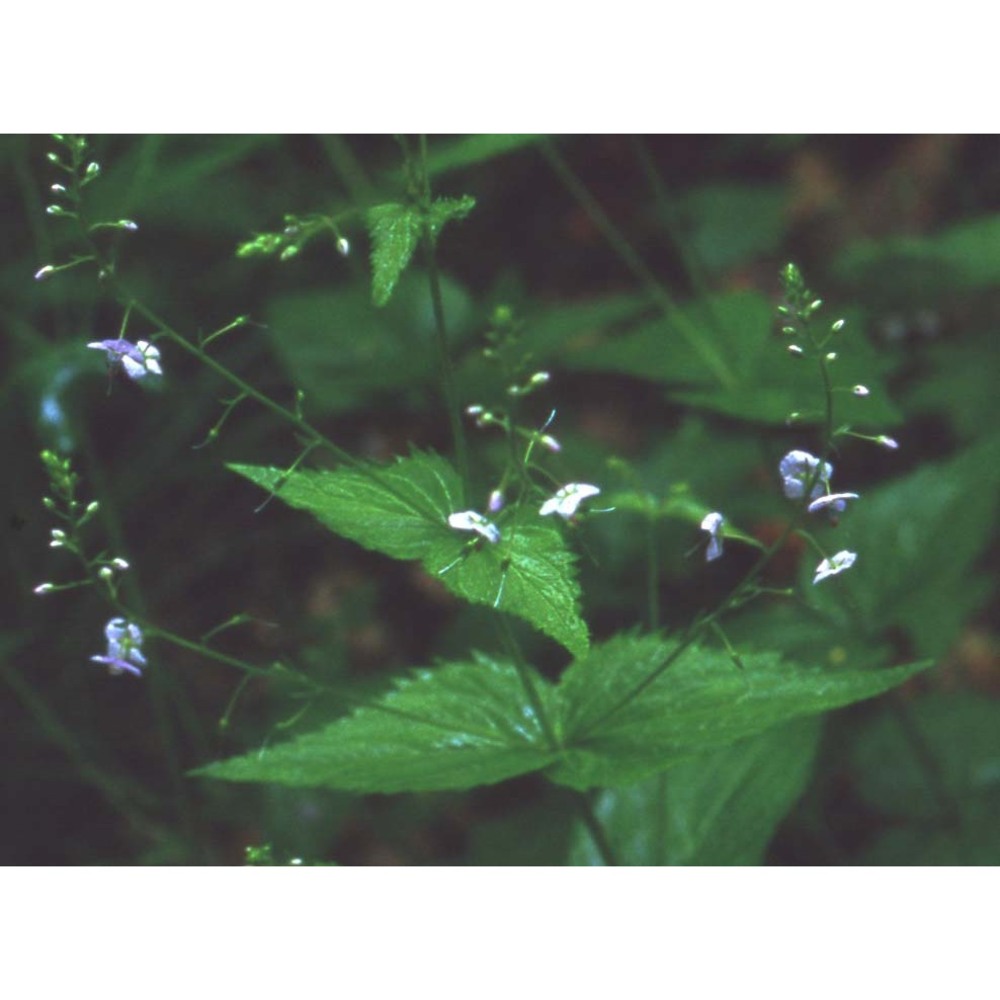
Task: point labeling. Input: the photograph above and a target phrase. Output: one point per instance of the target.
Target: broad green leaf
(717, 808)
(402, 510)
(395, 232)
(917, 539)
(700, 702)
(453, 727)
(767, 383)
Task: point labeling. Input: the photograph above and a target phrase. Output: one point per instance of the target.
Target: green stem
(594, 828)
(444, 354)
(652, 574)
(527, 682)
(928, 764)
(705, 350)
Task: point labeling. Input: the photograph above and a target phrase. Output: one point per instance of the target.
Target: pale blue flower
(834, 565)
(797, 469)
(712, 523)
(136, 360)
(124, 653)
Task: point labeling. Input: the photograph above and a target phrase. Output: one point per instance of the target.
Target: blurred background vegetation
(901, 234)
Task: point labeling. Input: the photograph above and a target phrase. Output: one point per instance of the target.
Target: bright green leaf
(454, 727)
(701, 701)
(395, 232)
(402, 510)
(717, 808)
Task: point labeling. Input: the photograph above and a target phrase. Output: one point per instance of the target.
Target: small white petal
(470, 520)
(834, 565)
(566, 500)
(835, 500)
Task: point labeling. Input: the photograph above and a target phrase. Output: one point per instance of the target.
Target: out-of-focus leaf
(766, 384)
(945, 745)
(700, 702)
(717, 808)
(471, 149)
(454, 727)
(343, 352)
(924, 271)
(916, 540)
(733, 223)
(402, 510)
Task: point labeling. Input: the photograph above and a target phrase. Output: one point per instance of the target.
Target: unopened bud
(128, 224)
(788, 329)
(832, 356)
(288, 253)
(53, 158)
(56, 210)
(44, 588)
(793, 418)
(815, 304)
(837, 327)
(539, 378)
(42, 273)
(48, 503)
(56, 543)
(93, 169)
(343, 247)
(496, 501)
(105, 572)
(58, 189)
(887, 442)
(550, 442)
(474, 410)
(58, 534)
(796, 350)
(861, 390)
(119, 564)
(92, 507)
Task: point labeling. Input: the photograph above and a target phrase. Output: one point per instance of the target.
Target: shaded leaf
(716, 808)
(402, 510)
(701, 701)
(454, 727)
(927, 526)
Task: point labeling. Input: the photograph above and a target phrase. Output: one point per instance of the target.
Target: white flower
(124, 654)
(838, 501)
(712, 523)
(567, 499)
(834, 565)
(469, 520)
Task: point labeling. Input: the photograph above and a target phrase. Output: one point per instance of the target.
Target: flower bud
(550, 442)
(44, 588)
(795, 350)
(105, 572)
(861, 390)
(890, 444)
(119, 564)
(343, 247)
(58, 534)
(58, 189)
(496, 501)
(832, 356)
(128, 224)
(92, 507)
(474, 411)
(43, 273)
(93, 169)
(837, 327)
(539, 378)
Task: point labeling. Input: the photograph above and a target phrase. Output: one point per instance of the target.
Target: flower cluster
(124, 653)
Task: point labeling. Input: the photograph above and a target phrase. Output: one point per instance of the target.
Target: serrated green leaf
(717, 808)
(699, 702)
(454, 727)
(395, 232)
(447, 209)
(402, 510)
